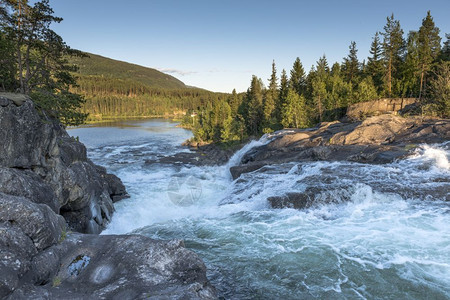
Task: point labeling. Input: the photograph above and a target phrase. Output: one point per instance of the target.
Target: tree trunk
(421, 81)
(390, 78)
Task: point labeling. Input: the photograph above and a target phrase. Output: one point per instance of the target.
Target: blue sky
(218, 45)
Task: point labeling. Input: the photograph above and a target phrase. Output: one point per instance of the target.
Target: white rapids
(385, 235)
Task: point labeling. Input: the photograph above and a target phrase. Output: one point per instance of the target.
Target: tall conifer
(429, 47)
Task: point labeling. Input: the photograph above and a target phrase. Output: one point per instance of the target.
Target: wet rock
(236, 171)
(118, 267)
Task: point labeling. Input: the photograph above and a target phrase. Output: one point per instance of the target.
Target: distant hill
(96, 65)
(117, 89)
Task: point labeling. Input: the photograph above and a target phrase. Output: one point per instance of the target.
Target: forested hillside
(96, 66)
(118, 89)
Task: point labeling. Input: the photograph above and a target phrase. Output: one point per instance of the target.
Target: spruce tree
(294, 111)
(297, 79)
(393, 47)
(351, 65)
(282, 94)
(339, 92)
(445, 53)
(375, 67)
(366, 90)
(254, 115)
(411, 67)
(439, 91)
(270, 98)
(233, 101)
(319, 83)
(429, 47)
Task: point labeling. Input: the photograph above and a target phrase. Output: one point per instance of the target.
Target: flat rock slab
(117, 267)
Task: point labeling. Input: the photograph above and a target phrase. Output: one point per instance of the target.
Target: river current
(384, 235)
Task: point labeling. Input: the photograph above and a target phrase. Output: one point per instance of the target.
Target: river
(373, 245)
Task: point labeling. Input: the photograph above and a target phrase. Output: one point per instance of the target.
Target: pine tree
(375, 67)
(411, 67)
(8, 68)
(393, 48)
(429, 47)
(339, 92)
(226, 119)
(270, 98)
(297, 80)
(439, 91)
(351, 65)
(40, 58)
(281, 99)
(233, 101)
(254, 113)
(366, 90)
(294, 111)
(445, 53)
(319, 82)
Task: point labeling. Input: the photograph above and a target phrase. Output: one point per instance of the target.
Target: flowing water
(381, 231)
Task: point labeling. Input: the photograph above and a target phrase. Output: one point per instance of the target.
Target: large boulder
(26, 183)
(37, 221)
(25, 229)
(42, 162)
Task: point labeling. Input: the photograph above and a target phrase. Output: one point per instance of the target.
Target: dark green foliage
(254, 106)
(438, 94)
(297, 80)
(351, 65)
(35, 61)
(270, 98)
(393, 69)
(295, 111)
(94, 66)
(429, 47)
(8, 69)
(445, 53)
(393, 47)
(410, 69)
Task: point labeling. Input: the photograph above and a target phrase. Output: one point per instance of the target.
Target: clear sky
(218, 45)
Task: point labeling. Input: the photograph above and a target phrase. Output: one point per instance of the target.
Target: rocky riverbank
(379, 139)
(51, 194)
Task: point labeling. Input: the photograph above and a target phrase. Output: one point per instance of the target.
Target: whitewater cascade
(375, 231)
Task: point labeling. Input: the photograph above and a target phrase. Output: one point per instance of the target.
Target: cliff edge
(51, 195)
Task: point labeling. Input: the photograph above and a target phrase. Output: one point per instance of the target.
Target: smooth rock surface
(117, 267)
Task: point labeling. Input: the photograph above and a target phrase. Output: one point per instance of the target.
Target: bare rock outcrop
(378, 139)
(39, 160)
